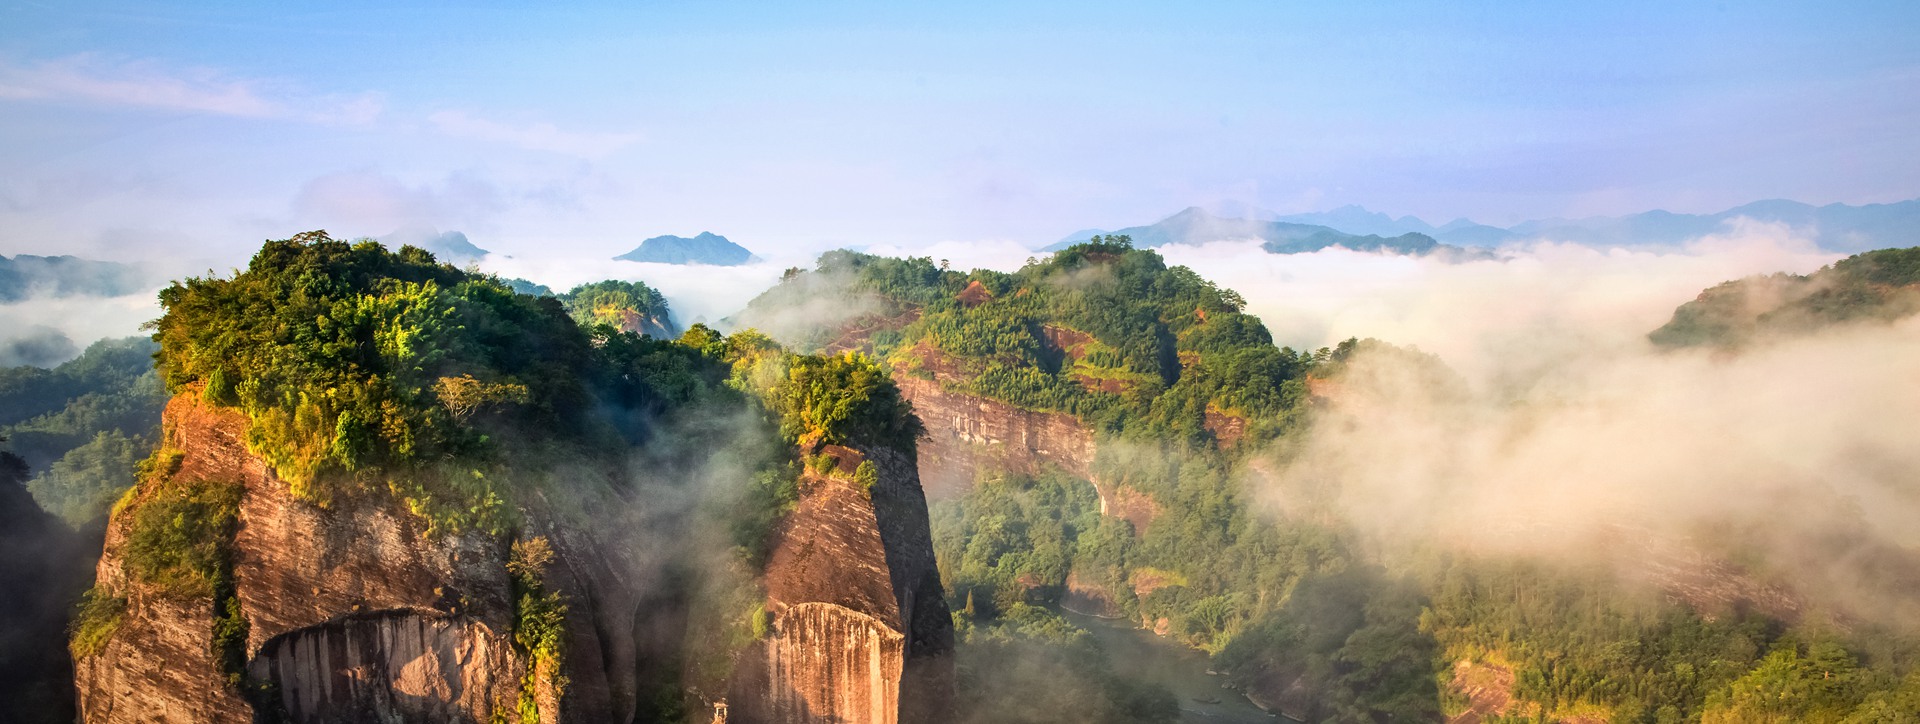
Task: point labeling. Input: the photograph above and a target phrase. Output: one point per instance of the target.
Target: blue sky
(149, 128)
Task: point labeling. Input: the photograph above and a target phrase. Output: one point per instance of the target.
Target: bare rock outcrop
(859, 629)
(966, 433)
(355, 612)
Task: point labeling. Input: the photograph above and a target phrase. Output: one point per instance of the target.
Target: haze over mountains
(1835, 227)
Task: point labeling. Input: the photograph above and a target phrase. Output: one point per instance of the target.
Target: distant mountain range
(451, 247)
(707, 248)
(27, 275)
(1199, 226)
(1836, 227)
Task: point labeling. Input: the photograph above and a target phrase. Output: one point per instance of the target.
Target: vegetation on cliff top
(1876, 285)
(1100, 330)
(342, 354)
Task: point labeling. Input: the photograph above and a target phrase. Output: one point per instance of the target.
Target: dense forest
(1189, 397)
(81, 426)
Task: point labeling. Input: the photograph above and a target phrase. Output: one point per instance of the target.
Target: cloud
(92, 79)
(1535, 305)
(369, 203)
(1546, 424)
(46, 331)
(536, 136)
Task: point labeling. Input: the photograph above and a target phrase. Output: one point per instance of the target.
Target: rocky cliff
(858, 627)
(966, 433)
(350, 613)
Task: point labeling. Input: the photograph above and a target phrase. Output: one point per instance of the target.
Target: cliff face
(859, 630)
(966, 433)
(354, 613)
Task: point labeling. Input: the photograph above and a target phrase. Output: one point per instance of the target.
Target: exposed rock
(1226, 428)
(860, 630)
(417, 666)
(974, 295)
(1133, 506)
(1488, 688)
(355, 612)
(966, 433)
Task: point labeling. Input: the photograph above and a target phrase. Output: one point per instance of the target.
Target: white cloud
(1539, 302)
(536, 136)
(88, 78)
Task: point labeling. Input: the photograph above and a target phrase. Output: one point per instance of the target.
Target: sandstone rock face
(860, 630)
(355, 612)
(966, 433)
(159, 666)
(401, 663)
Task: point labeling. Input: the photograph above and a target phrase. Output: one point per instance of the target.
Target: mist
(1521, 410)
(47, 330)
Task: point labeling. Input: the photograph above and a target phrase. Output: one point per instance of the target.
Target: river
(1138, 654)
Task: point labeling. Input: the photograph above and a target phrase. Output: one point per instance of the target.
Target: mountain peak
(705, 248)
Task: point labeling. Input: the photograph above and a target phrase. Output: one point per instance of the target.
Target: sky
(195, 130)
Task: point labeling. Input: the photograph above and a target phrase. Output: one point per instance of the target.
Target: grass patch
(95, 620)
(180, 537)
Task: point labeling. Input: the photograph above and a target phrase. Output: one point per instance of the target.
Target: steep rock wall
(966, 433)
(311, 583)
(367, 668)
(859, 630)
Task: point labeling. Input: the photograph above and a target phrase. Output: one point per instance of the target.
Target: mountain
(1881, 285)
(707, 248)
(1835, 227)
(27, 275)
(1358, 220)
(1199, 226)
(451, 247)
(1109, 435)
(392, 490)
(625, 306)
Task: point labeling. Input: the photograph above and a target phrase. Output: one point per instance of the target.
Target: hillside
(706, 248)
(1093, 421)
(625, 306)
(1882, 285)
(80, 427)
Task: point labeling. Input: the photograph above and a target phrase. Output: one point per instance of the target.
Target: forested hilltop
(389, 397)
(1188, 399)
(1882, 285)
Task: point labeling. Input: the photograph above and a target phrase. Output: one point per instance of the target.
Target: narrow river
(1138, 654)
